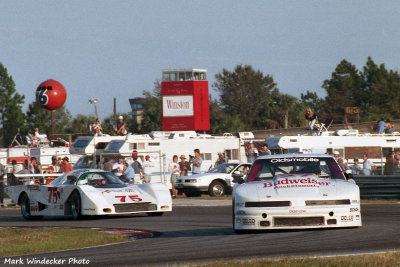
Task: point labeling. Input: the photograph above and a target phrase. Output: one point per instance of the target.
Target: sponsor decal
(295, 160)
(134, 198)
(354, 209)
(355, 201)
(248, 221)
(33, 188)
(297, 211)
(53, 196)
(347, 218)
(177, 106)
(296, 181)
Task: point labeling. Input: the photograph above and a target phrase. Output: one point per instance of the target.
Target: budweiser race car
(90, 192)
(295, 191)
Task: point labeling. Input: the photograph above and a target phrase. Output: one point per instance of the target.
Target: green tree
(12, 116)
(220, 122)
(246, 93)
(344, 89)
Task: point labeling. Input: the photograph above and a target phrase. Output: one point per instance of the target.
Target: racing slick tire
(76, 205)
(152, 214)
(26, 208)
(217, 189)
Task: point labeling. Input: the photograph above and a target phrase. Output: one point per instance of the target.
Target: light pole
(94, 101)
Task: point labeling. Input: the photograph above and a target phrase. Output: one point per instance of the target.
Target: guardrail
(379, 186)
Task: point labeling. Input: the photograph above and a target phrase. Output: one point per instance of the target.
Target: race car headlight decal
(240, 212)
(327, 202)
(267, 204)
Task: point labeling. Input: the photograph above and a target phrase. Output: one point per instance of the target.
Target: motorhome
(349, 144)
(89, 148)
(162, 146)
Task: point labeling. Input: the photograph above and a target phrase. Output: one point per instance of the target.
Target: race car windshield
(223, 168)
(100, 180)
(264, 169)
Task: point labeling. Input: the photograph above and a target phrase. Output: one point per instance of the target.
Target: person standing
(264, 150)
(2, 186)
(390, 164)
(118, 167)
(174, 171)
(355, 168)
(15, 167)
(184, 166)
(311, 119)
(97, 129)
(65, 165)
(120, 128)
(196, 162)
(251, 152)
(108, 166)
(147, 166)
(220, 160)
(368, 166)
(128, 173)
(137, 167)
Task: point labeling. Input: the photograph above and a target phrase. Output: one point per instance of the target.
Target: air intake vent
(267, 204)
(327, 202)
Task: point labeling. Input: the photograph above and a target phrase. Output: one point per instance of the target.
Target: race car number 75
(132, 197)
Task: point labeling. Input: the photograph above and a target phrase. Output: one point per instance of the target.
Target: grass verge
(26, 241)
(384, 259)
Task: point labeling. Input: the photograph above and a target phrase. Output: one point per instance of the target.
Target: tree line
(247, 99)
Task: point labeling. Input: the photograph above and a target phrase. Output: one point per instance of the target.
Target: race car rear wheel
(75, 202)
(217, 189)
(26, 207)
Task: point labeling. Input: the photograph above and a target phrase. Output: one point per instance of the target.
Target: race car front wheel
(75, 201)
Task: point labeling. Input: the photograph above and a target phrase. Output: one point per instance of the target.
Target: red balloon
(51, 94)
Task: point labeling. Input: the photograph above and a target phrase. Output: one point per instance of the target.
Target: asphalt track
(193, 234)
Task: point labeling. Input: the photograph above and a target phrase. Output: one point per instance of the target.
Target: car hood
(129, 194)
(288, 186)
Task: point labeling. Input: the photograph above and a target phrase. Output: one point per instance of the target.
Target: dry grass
(26, 241)
(381, 260)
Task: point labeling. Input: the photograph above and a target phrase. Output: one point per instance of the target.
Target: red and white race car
(90, 192)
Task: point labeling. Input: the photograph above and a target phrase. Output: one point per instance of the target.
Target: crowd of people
(120, 129)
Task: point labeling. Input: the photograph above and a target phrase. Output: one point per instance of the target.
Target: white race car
(295, 191)
(90, 192)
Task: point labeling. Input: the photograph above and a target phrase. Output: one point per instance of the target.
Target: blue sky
(108, 49)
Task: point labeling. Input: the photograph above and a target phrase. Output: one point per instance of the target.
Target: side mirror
(240, 180)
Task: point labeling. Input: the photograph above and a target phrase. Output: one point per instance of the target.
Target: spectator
(184, 166)
(381, 126)
(97, 129)
(311, 119)
(368, 166)
(25, 168)
(336, 155)
(174, 171)
(120, 128)
(137, 167)
(196, 161)
(2, 186)
(118, 167)
(35, 167)
(245, 170)
(389, 127)
(342, 165)
(251, 152)
(41, 137)
(355, 168)
(264, 150)
(220, 160)
(128, 173)
(15, 167)
(390, 164)
(147, 166)
(54, 167)
(65, 165)
(108, 166)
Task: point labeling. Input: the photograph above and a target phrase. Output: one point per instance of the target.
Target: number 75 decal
(133, 198)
